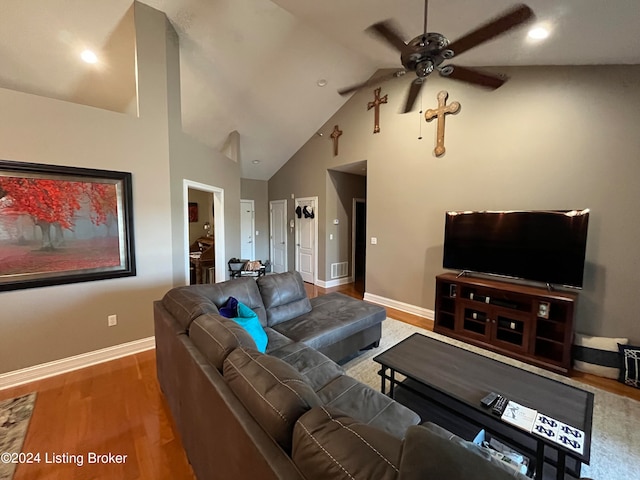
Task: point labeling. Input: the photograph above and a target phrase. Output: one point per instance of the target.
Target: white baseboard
(49, 369)
(403, 307)
(334, 283)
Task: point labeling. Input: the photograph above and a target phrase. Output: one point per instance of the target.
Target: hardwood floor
(117, 407)
(114, 407)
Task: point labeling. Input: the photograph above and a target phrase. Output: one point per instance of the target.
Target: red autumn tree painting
(86, 211)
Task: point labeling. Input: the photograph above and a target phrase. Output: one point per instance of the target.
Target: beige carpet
(615, 442)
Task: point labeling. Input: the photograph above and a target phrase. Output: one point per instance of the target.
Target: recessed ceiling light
(538, 33)
(255, 162)
(88, 56)
(322, 82)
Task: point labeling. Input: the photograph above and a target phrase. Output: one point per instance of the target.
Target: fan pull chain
(420, 118)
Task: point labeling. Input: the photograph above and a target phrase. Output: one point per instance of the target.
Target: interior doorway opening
(204, 245)
(359, 242)
(350, 186)
(278, 239)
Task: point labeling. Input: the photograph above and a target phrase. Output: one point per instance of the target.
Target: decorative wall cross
(334, 136)
(442, 110)
(377, 101)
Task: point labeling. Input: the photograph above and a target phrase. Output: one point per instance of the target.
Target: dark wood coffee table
(445, 384)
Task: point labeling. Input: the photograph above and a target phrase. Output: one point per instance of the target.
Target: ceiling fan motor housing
(426, 52)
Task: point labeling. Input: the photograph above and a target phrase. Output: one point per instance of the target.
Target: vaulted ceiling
(253, 66)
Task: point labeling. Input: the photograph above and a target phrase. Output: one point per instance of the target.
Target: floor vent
(339, 270)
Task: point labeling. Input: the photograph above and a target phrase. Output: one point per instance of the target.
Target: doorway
(215, 197)
(247, 230)
(359, 242)
(307, 238)
(278, 237)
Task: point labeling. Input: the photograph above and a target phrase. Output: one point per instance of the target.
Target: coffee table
(445, 384)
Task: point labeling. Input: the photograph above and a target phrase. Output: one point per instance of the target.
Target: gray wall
(551, 138)
(193, 161)
(257, 190)
(49, 323)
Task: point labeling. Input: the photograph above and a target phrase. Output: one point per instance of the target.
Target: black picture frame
(61, 225)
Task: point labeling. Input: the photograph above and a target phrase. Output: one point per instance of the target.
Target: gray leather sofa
(291, 412)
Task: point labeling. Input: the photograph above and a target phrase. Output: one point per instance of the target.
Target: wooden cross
(377, 101)
(335, 135)
(442, 110)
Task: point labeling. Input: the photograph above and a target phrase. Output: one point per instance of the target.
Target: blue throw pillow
(230, 309)
(248, 319)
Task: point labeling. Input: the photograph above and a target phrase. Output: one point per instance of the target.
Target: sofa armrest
(327, 444)
(430, 451)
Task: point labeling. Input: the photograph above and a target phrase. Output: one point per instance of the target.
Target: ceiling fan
(426, 52)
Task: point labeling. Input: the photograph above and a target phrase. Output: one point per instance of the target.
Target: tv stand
(531, 324)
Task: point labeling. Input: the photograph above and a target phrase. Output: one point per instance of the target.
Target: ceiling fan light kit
(427, 52)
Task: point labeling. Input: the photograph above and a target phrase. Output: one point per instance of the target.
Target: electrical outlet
(112, 320)
(374, 240)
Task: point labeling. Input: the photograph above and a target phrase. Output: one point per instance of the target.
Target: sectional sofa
(291, 412)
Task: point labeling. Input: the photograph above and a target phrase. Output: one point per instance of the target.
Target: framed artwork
(63, 225)
(543, 309)
(193, 212)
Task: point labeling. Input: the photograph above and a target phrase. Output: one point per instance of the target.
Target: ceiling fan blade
(371, 81)
(508, 20)
(416, 86)
(387, 31)
(472, 75)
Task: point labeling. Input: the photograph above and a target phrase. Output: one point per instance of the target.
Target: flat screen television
(543, 246)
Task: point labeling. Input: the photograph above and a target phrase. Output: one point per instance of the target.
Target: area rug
(14, 421)
(615, 447)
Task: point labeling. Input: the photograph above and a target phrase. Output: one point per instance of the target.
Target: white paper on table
(520, 416)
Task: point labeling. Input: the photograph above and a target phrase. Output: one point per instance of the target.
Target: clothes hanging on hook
(308, 213)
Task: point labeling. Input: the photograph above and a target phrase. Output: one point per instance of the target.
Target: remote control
(489, 399)
(500, 406)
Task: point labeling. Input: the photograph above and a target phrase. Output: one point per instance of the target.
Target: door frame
(253, 227)
(218, 229)
(315, 225)
(286, 237)
(353, 237)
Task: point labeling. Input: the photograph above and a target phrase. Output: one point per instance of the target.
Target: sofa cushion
(272, 390)
(216, 337)
(275, 340)
(430, 451)
(284, 297)
(329, 444)
(316, 367)
(334, 317)
(367, 405)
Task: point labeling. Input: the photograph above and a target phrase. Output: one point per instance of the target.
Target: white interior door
(278, 226)
(247, 229)
(307, 238)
